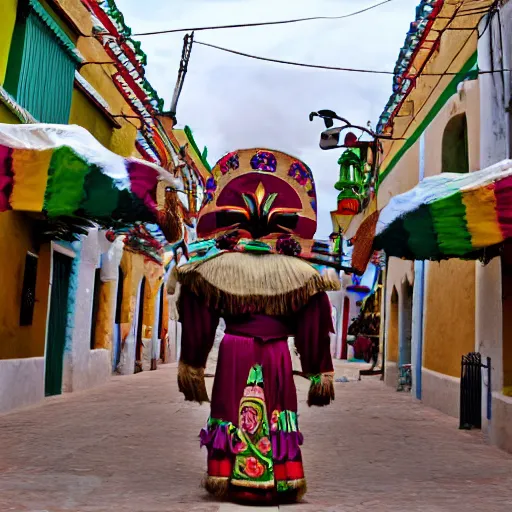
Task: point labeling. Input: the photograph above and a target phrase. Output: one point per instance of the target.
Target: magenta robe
(262, 340)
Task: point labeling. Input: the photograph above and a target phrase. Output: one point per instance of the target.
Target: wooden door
(57, 324)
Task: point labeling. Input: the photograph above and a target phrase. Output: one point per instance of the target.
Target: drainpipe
(419, 296)
(383, 328)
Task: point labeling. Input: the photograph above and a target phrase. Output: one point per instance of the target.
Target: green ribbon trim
(61, 36)
(214, 423)
(467, 72)
(287, 421)
(255, 376)
(315, 379)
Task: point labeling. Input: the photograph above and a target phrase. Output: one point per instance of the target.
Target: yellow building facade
(98, 105)
(430, 307)
(452, 117)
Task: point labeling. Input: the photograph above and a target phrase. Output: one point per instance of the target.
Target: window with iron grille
(28, 293)
(42, 64)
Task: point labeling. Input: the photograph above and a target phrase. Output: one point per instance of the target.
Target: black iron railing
(471, 391)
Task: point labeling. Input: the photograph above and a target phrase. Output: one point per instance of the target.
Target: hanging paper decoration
(445, 216)
(416, 40)
(64, 171)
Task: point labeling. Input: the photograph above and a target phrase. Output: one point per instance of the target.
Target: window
(119, 299)
(455, 145)
(95, 306)
(41, 66)
(28, 293)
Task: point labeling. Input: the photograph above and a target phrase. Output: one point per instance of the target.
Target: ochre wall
(455, 51)
(449, 315)
(7, 21)
(84, 113)
(6, 116)
(403, 178)
(15, 241)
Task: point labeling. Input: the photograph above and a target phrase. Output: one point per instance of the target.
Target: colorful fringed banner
(449, 216)
(64, 171)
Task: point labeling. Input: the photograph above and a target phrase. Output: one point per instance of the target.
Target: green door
(57, 324)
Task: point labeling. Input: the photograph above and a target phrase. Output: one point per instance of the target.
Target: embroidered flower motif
(250, 422)
(264, 445)
(253, 468)
(211, 187)
(229, 162)
(300, 173)
(264, 161)
(240, 447)
(274, 421)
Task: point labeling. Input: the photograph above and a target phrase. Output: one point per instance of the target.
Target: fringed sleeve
(199, 324)
(313, 327)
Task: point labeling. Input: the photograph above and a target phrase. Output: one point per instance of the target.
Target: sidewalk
(132, 445)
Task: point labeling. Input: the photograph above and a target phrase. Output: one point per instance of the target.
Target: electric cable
(264, 23)
(332, 68)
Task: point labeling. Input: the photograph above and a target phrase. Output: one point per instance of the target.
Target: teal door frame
(57, 318)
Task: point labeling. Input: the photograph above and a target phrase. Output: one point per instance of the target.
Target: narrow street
(131, 445)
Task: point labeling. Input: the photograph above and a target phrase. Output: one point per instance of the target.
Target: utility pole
(188, 41)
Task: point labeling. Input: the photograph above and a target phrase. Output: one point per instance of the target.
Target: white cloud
(232, 102)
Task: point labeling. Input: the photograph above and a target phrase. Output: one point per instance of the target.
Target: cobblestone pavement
(132, 446)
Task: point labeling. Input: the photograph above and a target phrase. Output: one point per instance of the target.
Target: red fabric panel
(294, 470)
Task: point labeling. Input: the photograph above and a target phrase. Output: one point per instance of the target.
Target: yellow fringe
(270, 284)
(169, 217)
(191, 383)
(323, 393)
(299, 486)
(217, 486)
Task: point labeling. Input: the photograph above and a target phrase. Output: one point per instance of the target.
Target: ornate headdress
(257, 203)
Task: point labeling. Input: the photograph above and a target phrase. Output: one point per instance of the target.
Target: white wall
(21, 382)
(83, 367)
(495, 143)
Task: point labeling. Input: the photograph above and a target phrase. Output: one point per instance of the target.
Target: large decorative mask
(261, 195)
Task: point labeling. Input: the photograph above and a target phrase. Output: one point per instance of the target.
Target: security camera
(329, 139)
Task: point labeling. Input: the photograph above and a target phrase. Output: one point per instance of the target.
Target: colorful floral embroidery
(253, 461)
(303, 176)
(300, 173)
(264, 445)
(239, 447)
(249, 420)
(264, 161)
(211, 187)
(229, 162)
(252, 468)
(274, 420)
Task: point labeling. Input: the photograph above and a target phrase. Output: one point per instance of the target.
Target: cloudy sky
(233, 102)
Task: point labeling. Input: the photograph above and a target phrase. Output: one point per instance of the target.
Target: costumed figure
(251, 266)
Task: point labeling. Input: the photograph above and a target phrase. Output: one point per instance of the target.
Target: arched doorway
(506, 283)
(116, 341)
(344, 332)
(405, 319)
(455, 145)
(139, 345)
(392, 339)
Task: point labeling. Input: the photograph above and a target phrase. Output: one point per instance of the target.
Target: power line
(331, 68)
(291, 63)
(263, 23)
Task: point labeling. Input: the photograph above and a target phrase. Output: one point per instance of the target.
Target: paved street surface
(132, 446)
